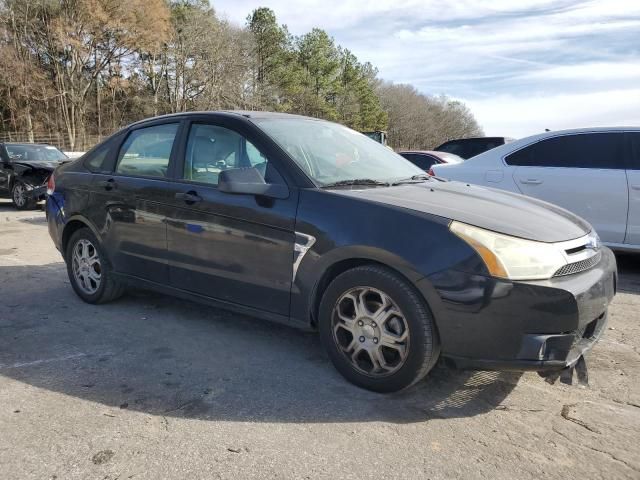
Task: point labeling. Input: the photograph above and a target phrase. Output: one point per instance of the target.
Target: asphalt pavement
(151, 387)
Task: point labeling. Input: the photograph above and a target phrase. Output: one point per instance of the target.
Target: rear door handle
(530, 181)
(189, 198)
(635, 186)
(107, 184)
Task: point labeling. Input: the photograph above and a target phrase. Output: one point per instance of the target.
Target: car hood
(51, 166)
(496, 210)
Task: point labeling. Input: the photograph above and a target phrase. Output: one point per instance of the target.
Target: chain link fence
(59, 140)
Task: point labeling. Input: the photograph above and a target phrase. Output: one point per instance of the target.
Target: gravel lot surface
(153, 387)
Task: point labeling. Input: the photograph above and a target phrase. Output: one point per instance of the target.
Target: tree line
(77, 70)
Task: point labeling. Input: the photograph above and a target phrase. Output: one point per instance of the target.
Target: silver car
(592, 172)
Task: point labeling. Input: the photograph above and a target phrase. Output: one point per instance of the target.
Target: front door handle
(530, 181)
(107, 184)
(189, 198)
(635, 186)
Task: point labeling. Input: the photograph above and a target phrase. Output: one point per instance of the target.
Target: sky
(520, 65)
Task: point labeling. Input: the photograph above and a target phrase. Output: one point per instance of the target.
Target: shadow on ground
(164, 356)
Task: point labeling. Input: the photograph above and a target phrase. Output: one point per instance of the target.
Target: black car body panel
(521, 325)
(239, 251)
(492, 209)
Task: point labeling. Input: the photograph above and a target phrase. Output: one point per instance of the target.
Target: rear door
(129, 202)
(633, 177)
(584, 173)
(231, 247)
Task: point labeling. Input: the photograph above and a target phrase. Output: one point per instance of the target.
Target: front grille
(578, 267)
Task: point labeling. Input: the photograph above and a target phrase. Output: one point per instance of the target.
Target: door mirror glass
(249, 181)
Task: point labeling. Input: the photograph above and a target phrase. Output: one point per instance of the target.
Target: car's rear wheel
(89, 270)
(377, 330)
(21, 198)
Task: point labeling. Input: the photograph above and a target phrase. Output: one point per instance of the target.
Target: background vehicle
(470, 147)
(24, 170)
(424, 159)
(379, 136)
(309, 223)
(594, 173)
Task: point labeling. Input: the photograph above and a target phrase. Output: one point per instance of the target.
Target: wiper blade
(356, 181)
(419, 178)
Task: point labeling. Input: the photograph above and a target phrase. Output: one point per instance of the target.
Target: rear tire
(20, 197)
(89, 270)
(377, 329)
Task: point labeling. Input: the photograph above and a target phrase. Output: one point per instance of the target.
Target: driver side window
(212, 149)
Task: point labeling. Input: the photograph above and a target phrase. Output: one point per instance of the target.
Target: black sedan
(309, 223)
(24, 171)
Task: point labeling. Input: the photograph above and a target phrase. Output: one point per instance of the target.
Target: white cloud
(520, 116)
(521, 66)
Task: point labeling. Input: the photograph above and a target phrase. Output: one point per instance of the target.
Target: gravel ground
(153, 387)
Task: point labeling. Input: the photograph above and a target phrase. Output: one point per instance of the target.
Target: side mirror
(248, 181)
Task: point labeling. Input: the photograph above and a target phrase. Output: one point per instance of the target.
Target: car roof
(507, 148)
(242, 113)
(426, 152)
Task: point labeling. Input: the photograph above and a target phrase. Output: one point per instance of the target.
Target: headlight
(511, 257)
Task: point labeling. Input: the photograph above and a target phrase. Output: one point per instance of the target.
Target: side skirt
(144, 284)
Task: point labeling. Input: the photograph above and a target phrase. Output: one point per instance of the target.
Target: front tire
(377, 330)
(20, 197)
(89, 270)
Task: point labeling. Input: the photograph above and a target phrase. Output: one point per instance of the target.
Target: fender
(316, 271)
(67, 230)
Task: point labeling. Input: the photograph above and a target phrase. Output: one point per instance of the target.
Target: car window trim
(129, 132)
(567, 134)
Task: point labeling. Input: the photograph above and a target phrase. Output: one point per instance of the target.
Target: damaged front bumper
(543, 326)
(37, 193)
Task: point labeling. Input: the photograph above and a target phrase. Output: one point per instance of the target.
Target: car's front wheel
(377, 330)
(21, 198)
(89, 270)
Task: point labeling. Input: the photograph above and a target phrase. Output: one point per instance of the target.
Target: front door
(234, 248)
(583, 173)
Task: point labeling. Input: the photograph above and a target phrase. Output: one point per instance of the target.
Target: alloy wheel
(19, 195)
(371, 331)
(86, 266)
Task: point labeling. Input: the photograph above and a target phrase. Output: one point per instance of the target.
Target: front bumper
(491, 324)
(39, 193)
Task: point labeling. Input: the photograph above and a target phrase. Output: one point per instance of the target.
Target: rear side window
(592, 150)
(146, 151)
(95, 160)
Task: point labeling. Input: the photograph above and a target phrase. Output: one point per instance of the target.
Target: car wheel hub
(19, 195)
(371, 331)
(86, 266)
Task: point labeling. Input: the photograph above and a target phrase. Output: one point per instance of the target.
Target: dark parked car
(24, 170)
(425, 159)
(470, 147)
(309, 223)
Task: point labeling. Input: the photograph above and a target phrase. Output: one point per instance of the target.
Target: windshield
(330, 153)
(34, 153)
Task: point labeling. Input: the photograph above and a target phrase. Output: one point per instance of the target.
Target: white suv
(594, 173)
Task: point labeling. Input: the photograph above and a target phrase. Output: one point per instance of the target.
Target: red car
(425, 159)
